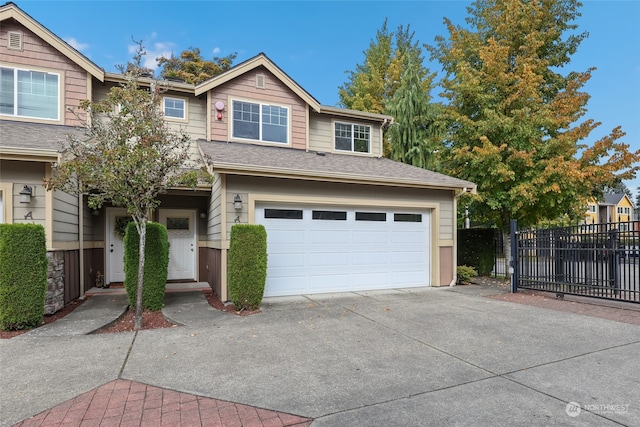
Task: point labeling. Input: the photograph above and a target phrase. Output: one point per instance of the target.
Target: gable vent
(260, 81)
(15, 40)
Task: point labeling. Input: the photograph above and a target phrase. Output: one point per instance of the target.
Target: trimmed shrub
(23, 275)
(465, 274)
(476, 248)
(156, 265)
(247, 265)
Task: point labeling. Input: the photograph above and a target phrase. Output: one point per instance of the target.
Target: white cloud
(216, 50)
(154, 50)
(76, 44)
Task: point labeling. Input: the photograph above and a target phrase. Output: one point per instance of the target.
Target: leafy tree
(393, 61)
(514, 117)
(191, 67)
(618, 188)
(129, 156)
(414, 137)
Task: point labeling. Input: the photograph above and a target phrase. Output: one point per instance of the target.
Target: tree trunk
(143, 238)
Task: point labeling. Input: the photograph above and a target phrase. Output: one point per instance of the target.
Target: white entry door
(117, 220)
(181, 226)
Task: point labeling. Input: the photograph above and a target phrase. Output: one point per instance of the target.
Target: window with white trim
(624, 210)
(27, 93)
(592, 208)
(260, 122)
(352, 137)
(174, 108)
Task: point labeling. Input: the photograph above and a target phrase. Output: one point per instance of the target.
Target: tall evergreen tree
(515, 117)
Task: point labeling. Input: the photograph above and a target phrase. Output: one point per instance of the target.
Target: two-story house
(338, 215)
(613, 208)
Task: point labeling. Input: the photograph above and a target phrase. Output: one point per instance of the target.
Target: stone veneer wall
(54, 300)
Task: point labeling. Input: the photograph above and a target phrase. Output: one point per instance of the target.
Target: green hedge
(156, 264)
(23, 275)
(476, 248)
(247, 265)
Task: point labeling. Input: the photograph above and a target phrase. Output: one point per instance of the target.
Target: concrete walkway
(412, 357)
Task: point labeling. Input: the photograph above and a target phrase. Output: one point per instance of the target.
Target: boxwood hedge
(247, 265)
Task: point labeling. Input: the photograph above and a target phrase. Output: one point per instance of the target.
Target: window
(175, 108)
(350, 137)
(25, 93)
(177, 223)
(371, 216)
(329, 215)
(592, 208)
(283, 213)
(260, 122)
(403, 217)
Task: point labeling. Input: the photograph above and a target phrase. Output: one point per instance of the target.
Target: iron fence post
(513, 262)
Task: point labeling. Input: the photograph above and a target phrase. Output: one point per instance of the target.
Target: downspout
(81, 244)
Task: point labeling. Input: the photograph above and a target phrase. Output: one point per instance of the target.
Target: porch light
(237, 202)
(25, 194)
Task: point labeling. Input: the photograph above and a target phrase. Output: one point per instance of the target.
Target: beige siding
(308, 192)
(244, 88)
(21, 174)
(321, 134)
(214, 225)
(65, 217)
(41, 56)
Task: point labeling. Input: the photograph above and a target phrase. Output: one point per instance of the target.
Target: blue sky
(316, 42)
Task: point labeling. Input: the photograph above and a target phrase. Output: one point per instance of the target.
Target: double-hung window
(26, 93)
(352, 137)
(174, 108)
(260, 122)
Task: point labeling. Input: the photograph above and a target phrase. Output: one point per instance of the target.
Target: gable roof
(11, 11)
(250, 64)
(613, 199)
(260, 160)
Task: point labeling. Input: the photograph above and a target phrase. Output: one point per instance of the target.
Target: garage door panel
(307, 255)
(370, 236)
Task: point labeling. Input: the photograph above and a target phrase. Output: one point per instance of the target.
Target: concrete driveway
(412, 357)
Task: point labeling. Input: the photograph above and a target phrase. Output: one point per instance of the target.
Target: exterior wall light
(237, 202)
(25, 194)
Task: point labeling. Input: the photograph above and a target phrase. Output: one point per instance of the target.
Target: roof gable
(250, 64)
(11, 11)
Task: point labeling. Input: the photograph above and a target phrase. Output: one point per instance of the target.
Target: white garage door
(333, 249)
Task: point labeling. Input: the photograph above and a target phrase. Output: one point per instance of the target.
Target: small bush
(156, 264)
(23, 275)
(465, 274)
(247, 265)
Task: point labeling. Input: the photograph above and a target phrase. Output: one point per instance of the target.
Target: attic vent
(15, 40)
(260, 81)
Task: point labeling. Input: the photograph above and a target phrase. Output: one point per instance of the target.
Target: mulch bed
(150, 319)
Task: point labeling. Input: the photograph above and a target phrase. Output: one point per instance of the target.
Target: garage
(318, 249)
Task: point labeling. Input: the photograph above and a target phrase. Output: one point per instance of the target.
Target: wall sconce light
(237, 202)
(25, 194)
(219, 108)
(203, 215)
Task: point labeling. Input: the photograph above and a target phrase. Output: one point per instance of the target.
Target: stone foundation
(55, 282)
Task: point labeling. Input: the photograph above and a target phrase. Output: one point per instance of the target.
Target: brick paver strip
(612, 310)
(128, 403)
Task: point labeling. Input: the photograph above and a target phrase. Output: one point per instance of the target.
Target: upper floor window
(260, 122)
(592, 208)
(624, 210)
(350, 137)
(25, 93)
(175, 108)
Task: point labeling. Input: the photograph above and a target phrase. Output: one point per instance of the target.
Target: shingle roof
(613, 199)
(239, 158)
(34, 135)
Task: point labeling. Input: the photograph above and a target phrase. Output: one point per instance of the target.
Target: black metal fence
(595, 260)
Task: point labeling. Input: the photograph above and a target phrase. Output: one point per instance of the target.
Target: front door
(117, 220)
(181, 227)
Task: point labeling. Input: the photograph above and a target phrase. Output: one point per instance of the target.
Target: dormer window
(175, 108)
(260, 122)
(352, 137)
